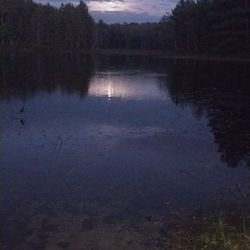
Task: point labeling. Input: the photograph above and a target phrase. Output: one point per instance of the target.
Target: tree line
(210, 25)
(26, 24)
(194, 26)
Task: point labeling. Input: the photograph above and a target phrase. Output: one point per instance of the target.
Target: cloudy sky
(112, 11)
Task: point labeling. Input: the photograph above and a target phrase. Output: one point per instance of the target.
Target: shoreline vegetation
(124, 52)
(220, 234)
(168, 55)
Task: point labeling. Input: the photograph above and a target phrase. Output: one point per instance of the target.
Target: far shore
(155, 53)
(174, 55)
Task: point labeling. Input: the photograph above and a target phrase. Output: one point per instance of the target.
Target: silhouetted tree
(211, 26)
(27, 24)
(194, 26)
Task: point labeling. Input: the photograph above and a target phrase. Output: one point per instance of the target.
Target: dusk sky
(112, 11)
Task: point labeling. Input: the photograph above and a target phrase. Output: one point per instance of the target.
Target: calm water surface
(102, 153)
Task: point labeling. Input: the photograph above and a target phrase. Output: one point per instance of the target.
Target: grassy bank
(220, 234)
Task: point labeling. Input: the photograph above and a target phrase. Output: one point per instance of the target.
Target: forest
(193, 26)
(25, 24)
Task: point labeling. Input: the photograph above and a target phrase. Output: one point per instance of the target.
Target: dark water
(98, 153)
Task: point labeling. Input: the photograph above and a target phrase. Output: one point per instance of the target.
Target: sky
(120, 11)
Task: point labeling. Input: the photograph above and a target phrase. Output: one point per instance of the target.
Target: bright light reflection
(110, 91)
(125, 86)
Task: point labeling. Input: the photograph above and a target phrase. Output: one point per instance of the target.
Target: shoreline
(167, 55)
(124, 52)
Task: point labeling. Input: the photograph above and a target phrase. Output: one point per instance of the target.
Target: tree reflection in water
(25, 74)
(220, 91)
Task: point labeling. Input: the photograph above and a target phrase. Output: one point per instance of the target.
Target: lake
(111, 152)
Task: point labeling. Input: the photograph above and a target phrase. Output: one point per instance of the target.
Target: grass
(218, 235)
(225, 237)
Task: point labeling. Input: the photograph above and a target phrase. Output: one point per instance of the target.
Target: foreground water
(107, 152)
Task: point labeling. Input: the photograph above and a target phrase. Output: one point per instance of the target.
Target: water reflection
(107, 143)
(24, 75)
(138, 85)
(220, 92)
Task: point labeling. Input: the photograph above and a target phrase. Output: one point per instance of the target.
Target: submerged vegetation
(194, 26)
